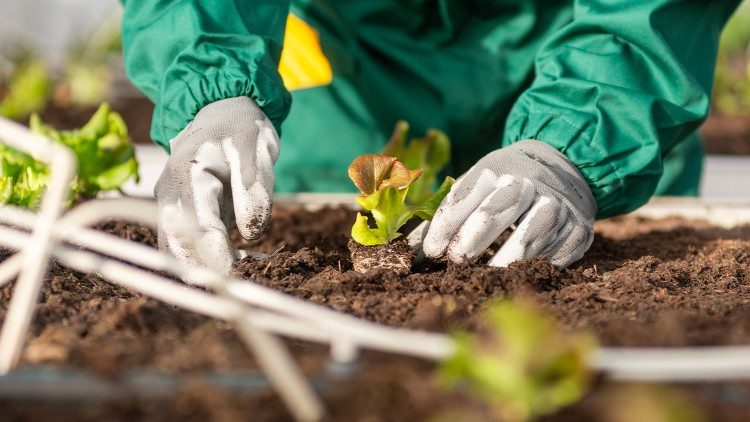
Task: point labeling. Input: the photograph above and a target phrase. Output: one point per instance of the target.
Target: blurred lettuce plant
(102, 147)
(88, 77)
(521, 364)
(27, 91)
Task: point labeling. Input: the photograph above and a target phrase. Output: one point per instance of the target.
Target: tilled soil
(643, 283)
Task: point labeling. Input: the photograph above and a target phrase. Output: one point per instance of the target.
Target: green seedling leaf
(520, 363)
(430, 154)
(102, 147)
(364, 235)
(384, 183)
(426, 210)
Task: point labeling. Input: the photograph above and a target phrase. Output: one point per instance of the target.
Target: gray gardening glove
(219, 176)
(528, 183)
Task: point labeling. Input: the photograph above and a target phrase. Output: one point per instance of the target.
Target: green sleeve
(185, 54)
(619, 87)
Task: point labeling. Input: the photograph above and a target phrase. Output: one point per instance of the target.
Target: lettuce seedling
(384, 183)
(521, 363)
(430, 154)
(105, 160)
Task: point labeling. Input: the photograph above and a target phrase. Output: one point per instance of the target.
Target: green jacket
(614, 85)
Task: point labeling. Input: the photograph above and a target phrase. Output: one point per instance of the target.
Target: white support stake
(35, 259)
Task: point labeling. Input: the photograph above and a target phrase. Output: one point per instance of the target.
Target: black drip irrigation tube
(60, 386)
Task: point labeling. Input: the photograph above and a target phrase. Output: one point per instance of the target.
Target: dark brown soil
(643, 283)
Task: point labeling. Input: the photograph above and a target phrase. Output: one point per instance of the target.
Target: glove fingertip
(252, 209)
(254, 228)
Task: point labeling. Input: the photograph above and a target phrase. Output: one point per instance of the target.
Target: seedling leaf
(363, 234)
(368, 171)
(426, 210)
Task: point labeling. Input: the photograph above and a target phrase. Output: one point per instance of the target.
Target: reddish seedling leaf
(369, 170)
(400, 177)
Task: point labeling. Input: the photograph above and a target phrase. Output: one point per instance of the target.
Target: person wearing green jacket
(560, 112)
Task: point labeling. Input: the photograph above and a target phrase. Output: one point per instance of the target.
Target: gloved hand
(528, 183)
(219, 176)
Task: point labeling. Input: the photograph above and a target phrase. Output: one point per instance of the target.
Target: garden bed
(644, 283)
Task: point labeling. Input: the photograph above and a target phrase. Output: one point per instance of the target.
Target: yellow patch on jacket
(303, 64)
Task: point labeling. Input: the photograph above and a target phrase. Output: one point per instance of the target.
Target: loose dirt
(643, 283)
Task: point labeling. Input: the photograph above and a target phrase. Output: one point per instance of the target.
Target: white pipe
(719, 363)
(384, 338)
(169, 291)
(279, 324)
(99, 210)
(271, 353)
(282, 371)
(35, 259)
(410, 342)
(347, 328)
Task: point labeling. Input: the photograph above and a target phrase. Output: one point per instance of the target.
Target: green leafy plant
(384, 183)
(28, 90)
(521, 364)
(430, 154)
(105, 160)
(731, 92)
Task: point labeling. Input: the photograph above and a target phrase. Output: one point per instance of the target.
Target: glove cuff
(222, 116)
(561, 165)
